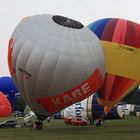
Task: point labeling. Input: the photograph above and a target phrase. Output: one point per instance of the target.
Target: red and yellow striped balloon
(121, 41)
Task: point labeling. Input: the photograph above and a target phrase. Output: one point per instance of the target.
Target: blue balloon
(8, 87)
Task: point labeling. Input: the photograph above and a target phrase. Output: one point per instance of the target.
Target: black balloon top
(64, 21)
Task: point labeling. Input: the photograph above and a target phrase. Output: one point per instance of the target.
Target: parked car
(8, 123)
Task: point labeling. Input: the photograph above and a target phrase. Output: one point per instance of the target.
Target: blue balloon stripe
(98, 26)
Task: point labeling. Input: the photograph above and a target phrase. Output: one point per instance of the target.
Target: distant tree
(133, 97)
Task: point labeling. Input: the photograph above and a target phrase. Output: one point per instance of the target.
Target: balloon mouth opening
(67, 22)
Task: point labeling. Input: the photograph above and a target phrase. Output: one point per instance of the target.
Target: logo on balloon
(80, 92)
(25, 74)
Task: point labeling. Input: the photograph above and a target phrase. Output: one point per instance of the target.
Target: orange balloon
(5, 106)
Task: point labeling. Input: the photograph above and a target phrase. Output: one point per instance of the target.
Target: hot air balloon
(8, 87)
(5, 106)
(55, 62)
(121, 41)
(87, 109)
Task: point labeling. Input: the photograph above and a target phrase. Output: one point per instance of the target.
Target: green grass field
(125, 129)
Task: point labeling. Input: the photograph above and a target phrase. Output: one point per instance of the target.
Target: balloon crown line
(67, 22)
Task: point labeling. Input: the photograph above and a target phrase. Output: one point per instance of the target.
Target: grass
(125, 129)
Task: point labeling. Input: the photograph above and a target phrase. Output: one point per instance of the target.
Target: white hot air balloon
(55, 62)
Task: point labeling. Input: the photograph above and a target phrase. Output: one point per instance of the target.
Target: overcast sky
(85, 11)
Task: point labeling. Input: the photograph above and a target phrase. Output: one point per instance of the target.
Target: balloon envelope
(5, 106)
(121, 41)
(55, 62)
(8, 87)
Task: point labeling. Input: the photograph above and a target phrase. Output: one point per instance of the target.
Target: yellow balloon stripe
(89, 106)
(122, 60)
